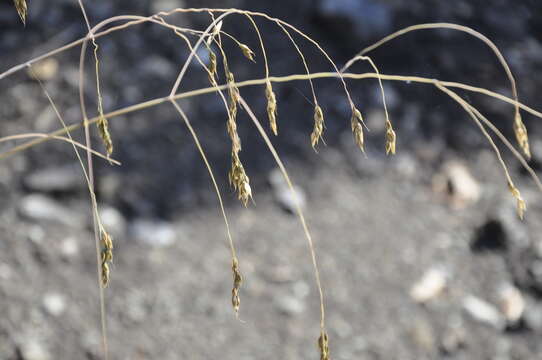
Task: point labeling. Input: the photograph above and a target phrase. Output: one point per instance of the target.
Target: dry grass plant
(211, 39)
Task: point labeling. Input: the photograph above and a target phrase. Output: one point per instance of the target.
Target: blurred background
(421, 254)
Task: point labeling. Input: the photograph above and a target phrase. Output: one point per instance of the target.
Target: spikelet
(316, 134)
(520, 205)
(231, 127)
(216, 32)
(357, 129)
(390, 139)
(212, 66)
(249, 54)
(105, 274)
(239, 180)
(103, 128)
(271, 107)
(237, 281)
(22, 10)
(106, 255)
(323, 345)
(233, 93)
(521, 135)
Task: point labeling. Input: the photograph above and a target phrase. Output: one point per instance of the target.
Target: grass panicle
(521, 135)
(249, 54)
(237, 281)
(103, 130)
(520, 203)
(212, 66)
(357, 128)
(239, 180)
(318, 129)
(323, 345)
(106, 255)
(271, 107)
(390, 139)
(22, 9)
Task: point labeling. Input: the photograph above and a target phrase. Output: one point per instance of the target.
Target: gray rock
(54, 304)
(287, 198)
(289, 305)
(429, 286)
(69, 248)
(153, 232)
(113, 221)
(512, 303)
(65, 178)
(483, 312)
(42, 208)
(33, 349)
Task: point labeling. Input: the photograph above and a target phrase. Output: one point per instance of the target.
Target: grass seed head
(231, 127)
(233, 93)
(239, 180)
(521, 135)
(323, 345)
(105, 274)
(520, 203)
(271, 107)
(249, 54)
(103, 128)
(357, 128)
(316, 134)
(237, 281)
(107, 255)
(22, 10)
(390, 139)
(212, 66)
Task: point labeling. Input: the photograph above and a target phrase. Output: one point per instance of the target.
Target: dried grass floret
(316, 134)
(521, 135)
(106, 255)
(271, 107)
(390, 139)
(239, 179)
(249, 54)
(323, 345)
(520, 205)
(103, 129)
(233, 93)
(212, 66)
(237, 281)
(22, 9)
(357, 129)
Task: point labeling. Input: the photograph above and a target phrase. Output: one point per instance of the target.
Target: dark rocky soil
(421, 254)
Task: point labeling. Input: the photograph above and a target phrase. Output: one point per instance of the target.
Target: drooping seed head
(390, 139)
(323, 345)
(22, 9)
(249, 54)
(212, 66)
(237, 281)
(233, 93)
(105, 274)
(239, 180)
(521, 135)
(520, 203)
(271, 107)
(103, 129)
(316, 134)
(357, 128)
(107, 246)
